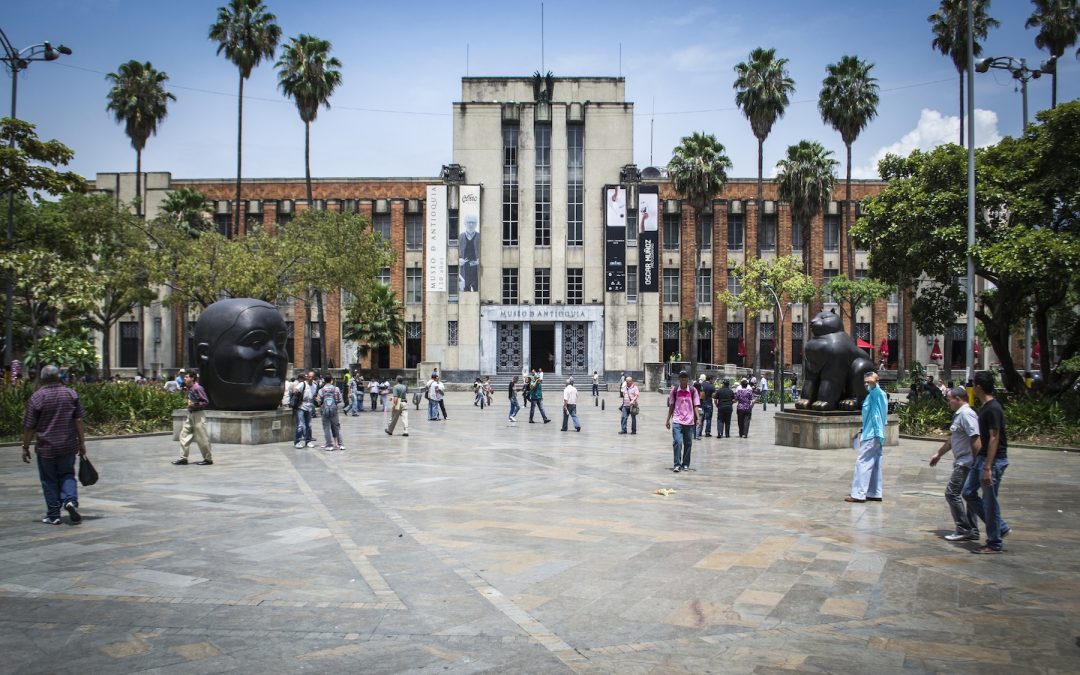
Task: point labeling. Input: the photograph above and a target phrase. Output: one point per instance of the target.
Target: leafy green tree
(375, 321)
(805, 179)
(138, 100)
(247, 33)
(308, 75)
(949, 25)
(48, 288)
(848, 101)
(762, 89)
(1058, 22)
(698, 170)
(72, 352)
(189, 209)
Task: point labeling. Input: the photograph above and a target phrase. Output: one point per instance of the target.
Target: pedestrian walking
(194, 428)
(763, 391)
(629, 408)
(54, 415)
(384, 395)
(989, 466)
(595, 384)
(569, 405)
(514, 407)
(707, 390)
(351, 388)
(399, 407)
(536, 399)
(434, 392)
(964, 442)
(866, 482)
(725, 400)
(361, 392)
(329, 400)
(744, 407)
(684, 407)
(478, 393)
(303, 402)
(373, 392)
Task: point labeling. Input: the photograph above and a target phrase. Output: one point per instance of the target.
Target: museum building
(541, 245)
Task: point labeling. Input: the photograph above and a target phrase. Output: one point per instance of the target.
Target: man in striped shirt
(55, 414)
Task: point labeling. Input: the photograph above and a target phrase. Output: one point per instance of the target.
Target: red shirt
(51, 412)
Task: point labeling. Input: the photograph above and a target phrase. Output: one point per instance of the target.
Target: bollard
(601, 405)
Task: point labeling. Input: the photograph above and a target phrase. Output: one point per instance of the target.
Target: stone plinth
(826, 430)
(243, 427)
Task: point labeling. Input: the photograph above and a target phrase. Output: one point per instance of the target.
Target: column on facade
(719, 275)
(783, 248)
(908, 328)
(753, 218)
(879, 327)
(817, 264)
(687, 278)
(397, 272)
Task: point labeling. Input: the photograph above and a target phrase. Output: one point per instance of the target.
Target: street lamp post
(16, 60)
(778, 373)
(1018, 68)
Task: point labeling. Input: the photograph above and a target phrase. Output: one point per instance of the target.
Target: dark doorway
(542, 347)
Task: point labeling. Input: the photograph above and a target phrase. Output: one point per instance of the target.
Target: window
(414, 339)
(453, 224)
(509, 286)
(767, 344)
(631, 227)
(704, 286)
(452, 333)
(672, 222)
(893, 333)
(860, 275)
(631, 333)
(575, 185)
(704, 231)
(894, 297)
(575, 286)
(671, 339)
(451, 283)
(631, 284)
(129, 344)
(384, 276)
(832, 233)
(543, 184)
(223, 223)
(767, 232)
(414, 286)
(671, 285)
(733, 285)
(862, 331)
(796, 236)
(316, 345)
(380, 223)
(734, 340)
(797, 333)
(959, 345)
(285, 213)
(542, 286)
(414, 232)
(826, 276)
(704, 344)
(510, 186)
(735, 227)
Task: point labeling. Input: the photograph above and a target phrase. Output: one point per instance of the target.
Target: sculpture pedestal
(243, 427)
(826, 430)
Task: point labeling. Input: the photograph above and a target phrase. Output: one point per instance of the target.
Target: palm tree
(247, 33)
(698, 170)
(762, 88)
(805, 181)
(138, 100)
(1058, 22)
(189, 209)
(848, 101)
(949, 25)
(308, 75)
(377, 322)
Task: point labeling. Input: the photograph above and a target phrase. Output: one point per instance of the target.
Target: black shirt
(724, 398)
(992, 416)
(512, 396)
(707, 391)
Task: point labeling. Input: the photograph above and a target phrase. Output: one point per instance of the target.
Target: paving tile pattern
(477, 546)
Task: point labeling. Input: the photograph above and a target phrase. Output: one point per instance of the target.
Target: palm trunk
(180, 316)
(850, 248)
(106, 349)
(962, 144)
(322, 329)
(899, 336)
(948, 353)
(307, 162)
(138, 184)
(307, 331)
(239, 155)
(1053, 88)
(760, 217)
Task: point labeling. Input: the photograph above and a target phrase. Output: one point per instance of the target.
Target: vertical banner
(435, 243)
(648, 239)
(615, 256)
(469, 239)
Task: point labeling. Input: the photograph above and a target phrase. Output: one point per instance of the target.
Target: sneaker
(676, 468)
(49, 520)
(205, 462)
(546, 421)
(512, 418)
(686, 468)
(1005, 532)
(180, 462)
(326, 446)
(72, 512)
(961, 536)
(404, 434)
(579, 429)
(295, 445)
(388, 432)
(311, 444)
(986, 550)
(621, 433)
(341, 446)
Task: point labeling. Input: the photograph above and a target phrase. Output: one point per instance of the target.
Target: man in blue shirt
(866, 484)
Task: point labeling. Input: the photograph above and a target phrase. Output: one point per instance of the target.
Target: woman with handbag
(629, 407)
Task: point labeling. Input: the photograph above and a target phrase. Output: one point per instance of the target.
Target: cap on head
(683, 373)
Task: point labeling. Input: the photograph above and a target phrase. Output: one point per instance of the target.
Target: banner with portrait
(435, 239)
(615, 237)
(648, 239)
(469, 239)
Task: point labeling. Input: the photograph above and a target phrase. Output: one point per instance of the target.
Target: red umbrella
(742, 348)
(884, 349)
(1036, 353)
(978, 348)
(863, 344)
(935, 353)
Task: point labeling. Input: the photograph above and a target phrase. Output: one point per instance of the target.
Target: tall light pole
(778, 373)
(970, 341)
(1018, 68)
(16, 60)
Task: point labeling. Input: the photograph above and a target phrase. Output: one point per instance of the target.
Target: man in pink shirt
(684, 407)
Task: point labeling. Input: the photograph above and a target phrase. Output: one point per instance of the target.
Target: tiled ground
(474, 546)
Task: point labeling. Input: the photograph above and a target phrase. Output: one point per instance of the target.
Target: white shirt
(569, 395)
(763, 384)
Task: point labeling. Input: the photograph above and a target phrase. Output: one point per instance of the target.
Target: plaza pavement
(474, 547)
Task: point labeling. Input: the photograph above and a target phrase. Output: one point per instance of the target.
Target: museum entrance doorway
(542, 346)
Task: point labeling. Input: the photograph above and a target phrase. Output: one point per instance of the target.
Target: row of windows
(575, 286)
(575, 184)
(736, 233)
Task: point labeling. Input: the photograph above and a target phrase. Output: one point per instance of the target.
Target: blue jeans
(706, 421)
(570, 412)
(867, 479)
(303, 426)
(532, 410)
(57, 476)
(514, 407)
(986, 506)
(633, 419)
(351, 408)
(432, 409)
(682, 440)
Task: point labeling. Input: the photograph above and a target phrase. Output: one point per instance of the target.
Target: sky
(403, 64)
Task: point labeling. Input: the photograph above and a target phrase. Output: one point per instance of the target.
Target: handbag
(634, 409)
(88, 475)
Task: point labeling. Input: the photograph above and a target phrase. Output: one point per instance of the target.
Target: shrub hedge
(111, 408)
(1040, 421)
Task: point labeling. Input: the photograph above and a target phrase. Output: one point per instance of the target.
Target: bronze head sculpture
(240, 349)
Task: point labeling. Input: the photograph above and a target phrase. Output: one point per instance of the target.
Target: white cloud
(695, 59)
(933, 129)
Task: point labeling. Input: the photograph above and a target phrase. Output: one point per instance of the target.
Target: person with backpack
(329, 401)
(684, 408)
(303, 405)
